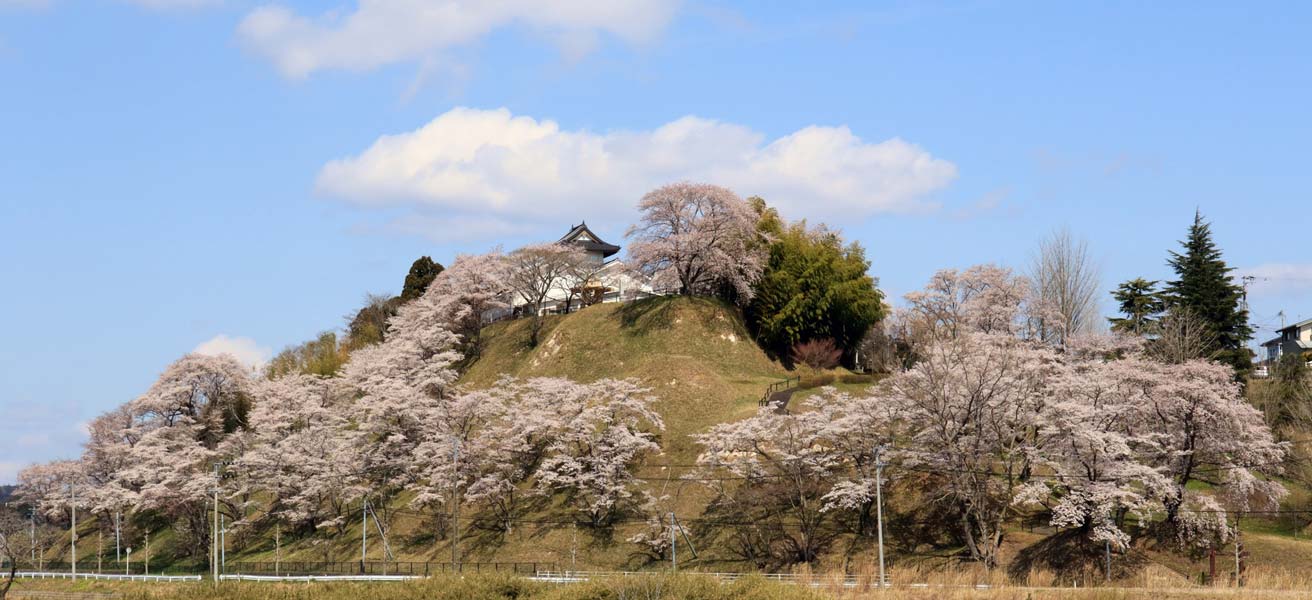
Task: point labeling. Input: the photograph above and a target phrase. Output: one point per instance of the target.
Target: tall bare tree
(1182, 335)
(1066, 281)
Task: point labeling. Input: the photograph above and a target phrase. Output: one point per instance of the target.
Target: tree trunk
(9, 581)
(535, 330)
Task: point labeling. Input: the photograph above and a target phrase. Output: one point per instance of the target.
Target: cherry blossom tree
(458, 450)
(606, 430)
(770, 473)
(406, 383)
(298, 460)
(50, 487)
(108, 451)
(1197, 426)
(801, 469)
(463, 297)
(699, 239)
(400, 383)
(518, 425)
(537, 270)
(983, 298)
(185, 421)
(1093, 475)
(978, 401)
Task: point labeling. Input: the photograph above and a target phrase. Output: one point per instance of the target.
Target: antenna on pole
(1243, 299)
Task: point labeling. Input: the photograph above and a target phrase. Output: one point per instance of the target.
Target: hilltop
(694, 354)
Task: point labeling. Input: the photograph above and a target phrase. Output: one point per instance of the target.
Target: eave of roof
(595, 244)
(1298, 325)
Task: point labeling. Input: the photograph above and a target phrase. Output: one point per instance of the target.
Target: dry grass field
(938, 586)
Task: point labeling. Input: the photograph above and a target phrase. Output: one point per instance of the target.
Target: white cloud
(494, 169)
(382, 32)
(243, 349)
(1273, 279)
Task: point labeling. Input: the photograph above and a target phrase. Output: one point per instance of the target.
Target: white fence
(106, 576)
(308, 578)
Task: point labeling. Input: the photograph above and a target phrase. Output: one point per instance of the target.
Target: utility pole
(72, 532)
(214, 538)
(382, 534)
(127, 569)
(364, 531)
(574, 547)
(674, 550)
(1107, 548)
(1237, 581)
(879, 509)
(32, 513)
(117, 537)
(455, 505)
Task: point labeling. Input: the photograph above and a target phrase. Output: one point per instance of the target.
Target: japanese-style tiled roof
(581, 235)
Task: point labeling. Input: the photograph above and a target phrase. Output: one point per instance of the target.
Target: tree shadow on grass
(1073, 557)
(641, 317)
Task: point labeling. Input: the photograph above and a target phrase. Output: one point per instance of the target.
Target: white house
(1296, 339)
(613, 281)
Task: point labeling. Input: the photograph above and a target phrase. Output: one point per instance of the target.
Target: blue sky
(185, 173)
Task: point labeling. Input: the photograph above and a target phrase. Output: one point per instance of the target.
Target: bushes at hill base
(817, 354)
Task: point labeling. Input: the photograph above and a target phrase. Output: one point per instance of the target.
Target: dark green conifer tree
(422, 272)
(1141, 304)
(1204, 286)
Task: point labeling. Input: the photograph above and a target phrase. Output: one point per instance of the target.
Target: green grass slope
(693, 353)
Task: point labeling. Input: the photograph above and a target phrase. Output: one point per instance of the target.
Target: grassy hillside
(694, 354)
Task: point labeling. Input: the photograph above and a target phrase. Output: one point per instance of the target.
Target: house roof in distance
(581, 235)
(1298, 325)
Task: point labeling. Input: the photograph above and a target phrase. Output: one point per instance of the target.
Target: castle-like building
(611, 281)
